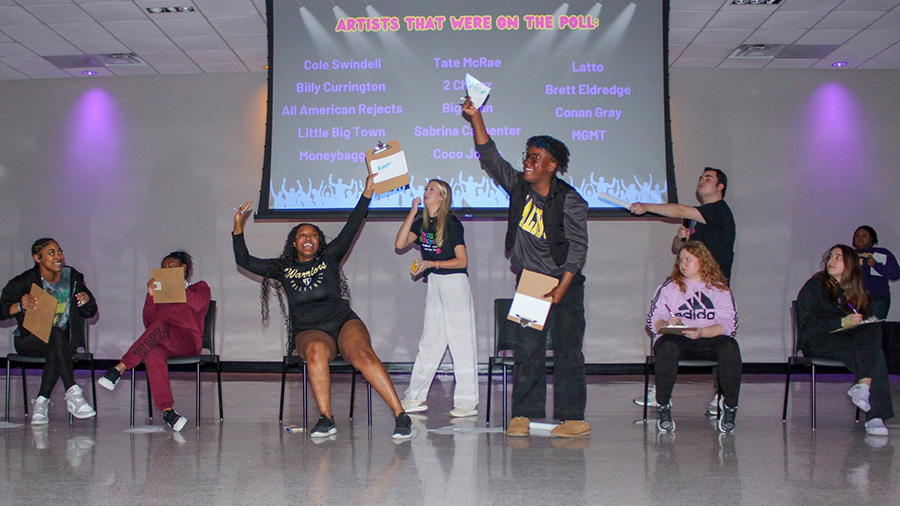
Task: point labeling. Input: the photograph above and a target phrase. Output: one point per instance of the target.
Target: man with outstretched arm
(546, 233)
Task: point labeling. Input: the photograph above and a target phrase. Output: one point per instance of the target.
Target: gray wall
(124, 170)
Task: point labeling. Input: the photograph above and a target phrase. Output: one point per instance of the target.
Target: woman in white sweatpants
(449, 308)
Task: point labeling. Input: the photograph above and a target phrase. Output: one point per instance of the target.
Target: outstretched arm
(668, 210)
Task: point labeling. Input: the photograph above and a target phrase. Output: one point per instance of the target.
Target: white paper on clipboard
(477, 90)
(389, 167)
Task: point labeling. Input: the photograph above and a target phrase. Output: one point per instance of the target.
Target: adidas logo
(698, 307)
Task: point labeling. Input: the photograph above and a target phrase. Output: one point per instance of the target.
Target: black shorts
(333, 327)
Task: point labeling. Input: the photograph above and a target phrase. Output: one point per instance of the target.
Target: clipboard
(860, 324)
(169, 287)
(389, 163)
(674, 330)
(529, 307)
(38, 321)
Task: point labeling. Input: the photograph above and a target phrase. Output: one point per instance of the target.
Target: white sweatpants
(449, 322)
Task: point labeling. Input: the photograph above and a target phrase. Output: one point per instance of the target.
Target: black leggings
(58, 358)
(724, 349)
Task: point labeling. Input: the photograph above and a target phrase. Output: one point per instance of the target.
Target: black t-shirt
(454, 235)
(717, 234)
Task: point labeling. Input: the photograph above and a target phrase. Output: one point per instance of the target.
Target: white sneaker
(464, 411)
(77, 406)
(713, 406)
(40, 411)
(875, 427)
(859, 395)
(651, 397)
(413, 405)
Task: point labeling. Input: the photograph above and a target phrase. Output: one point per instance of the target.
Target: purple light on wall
(835, 131)
(94, 136)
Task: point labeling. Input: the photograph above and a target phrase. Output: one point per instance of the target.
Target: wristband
(21, 310)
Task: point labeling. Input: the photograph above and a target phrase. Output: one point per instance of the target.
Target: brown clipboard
(170, 282)
(532, 285)
(379, 153)
(39, 320)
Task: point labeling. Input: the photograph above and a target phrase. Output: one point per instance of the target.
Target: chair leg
(133, 380)
(219, 381)
(487, 416)
(505, 399)
(198, 395)
(94, 387)
(149, 401)
(787, 391)
(24, 389)
(305, 381)
(284, 366)
(646, 385)
(6, 417)
(813, 396)
(369, 401)
(352, 391)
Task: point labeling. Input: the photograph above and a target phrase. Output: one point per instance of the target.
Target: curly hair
(710, 272)
(270, 279)
(186, 260)
(555, 147)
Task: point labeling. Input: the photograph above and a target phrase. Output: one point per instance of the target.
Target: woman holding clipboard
(834, 299)
(692, 315)
(172, 330)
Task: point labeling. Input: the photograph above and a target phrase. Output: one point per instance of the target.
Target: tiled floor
(250, 459)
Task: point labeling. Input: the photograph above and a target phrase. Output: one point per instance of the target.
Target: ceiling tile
(697, 63)
(808, 5)
(792, 63)
(743, 63)
(155, 59)
(185, 26)
(200, 43)
(890, 21)
(817, 36)
(151, 44)
(15, 15)
(715, 36)
(699, 51)
(738, 19)
(81, 31)
(876, 37)
(31, 33)
(101, 46)
(793, 19)
(171, 70)
(114, 11)
(219, 8)
(777, 36)
(857, 52)
(34, 67)
(223, 67)
(689, 19)
(54, 48)
(682, 35)
(142, 70)
(863, 5)
(14, 49)
(9, 73)
(849, 19)
(239, 25)
(65, 13)
(258, 41)
(710, 5)
(133, 29)
(213, 56)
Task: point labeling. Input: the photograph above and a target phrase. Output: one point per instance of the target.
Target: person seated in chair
(692, 316)
(75, 303)
(172, 330)
(319, 319)
(832, 299)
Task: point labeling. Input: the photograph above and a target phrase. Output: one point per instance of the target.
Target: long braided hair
(270, 282)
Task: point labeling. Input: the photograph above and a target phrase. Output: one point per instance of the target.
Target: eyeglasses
(534, 158)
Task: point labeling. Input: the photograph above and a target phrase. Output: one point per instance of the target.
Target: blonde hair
(710, 272)
(443, 212)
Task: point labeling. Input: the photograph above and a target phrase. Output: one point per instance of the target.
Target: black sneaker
(324, 427)
(110, 379)
(726, 418)
(664, 420)
(402, 426)
(174, 420)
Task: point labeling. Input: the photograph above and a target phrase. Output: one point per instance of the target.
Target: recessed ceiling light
(89, 73)
(839, 64)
